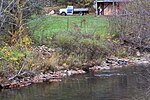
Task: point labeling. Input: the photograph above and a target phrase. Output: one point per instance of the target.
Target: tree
(13, 16)
(133, 27)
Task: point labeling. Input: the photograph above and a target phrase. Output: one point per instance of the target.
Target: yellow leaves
(13, 53)
(16, 56)
(13, 57)
(5, 53)
(26, 40)
(32, 65)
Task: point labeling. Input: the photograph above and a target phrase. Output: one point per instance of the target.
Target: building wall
(108, 8)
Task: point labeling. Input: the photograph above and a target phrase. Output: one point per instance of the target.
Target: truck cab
(66, 11)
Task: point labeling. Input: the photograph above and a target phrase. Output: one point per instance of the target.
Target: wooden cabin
(110, 7)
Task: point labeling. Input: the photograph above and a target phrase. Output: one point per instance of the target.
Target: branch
(19, 72)
(1, 6)
(13, 1)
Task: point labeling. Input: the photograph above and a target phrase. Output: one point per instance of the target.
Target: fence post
(67, 23)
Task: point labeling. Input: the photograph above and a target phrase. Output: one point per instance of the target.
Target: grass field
(47, 26)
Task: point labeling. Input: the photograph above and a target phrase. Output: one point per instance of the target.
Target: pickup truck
(70, 10)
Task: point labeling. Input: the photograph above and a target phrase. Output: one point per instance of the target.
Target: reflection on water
(85, 87)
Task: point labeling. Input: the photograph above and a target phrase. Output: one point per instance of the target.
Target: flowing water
(101, 86)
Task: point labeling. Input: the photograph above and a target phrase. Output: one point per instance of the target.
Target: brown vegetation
(133, 27)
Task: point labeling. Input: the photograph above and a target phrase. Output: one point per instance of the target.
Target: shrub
(85, 45)
(65, 42)
(14, 58)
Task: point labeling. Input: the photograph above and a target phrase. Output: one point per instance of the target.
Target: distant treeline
(64, 2)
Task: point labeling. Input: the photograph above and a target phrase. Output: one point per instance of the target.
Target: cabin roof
(113, 0)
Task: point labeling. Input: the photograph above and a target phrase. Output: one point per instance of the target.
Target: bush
(86, 45)
(14, 58)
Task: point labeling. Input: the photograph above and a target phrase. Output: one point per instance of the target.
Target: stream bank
(27, 78)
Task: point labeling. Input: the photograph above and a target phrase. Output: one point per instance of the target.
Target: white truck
(70, 10)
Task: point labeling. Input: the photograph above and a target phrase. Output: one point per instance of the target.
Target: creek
(107, 85)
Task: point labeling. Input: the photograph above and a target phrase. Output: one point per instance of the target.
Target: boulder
(52, 12)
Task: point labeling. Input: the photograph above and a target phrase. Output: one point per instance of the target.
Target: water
(117, 86)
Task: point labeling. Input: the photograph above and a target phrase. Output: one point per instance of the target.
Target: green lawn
(49, 25)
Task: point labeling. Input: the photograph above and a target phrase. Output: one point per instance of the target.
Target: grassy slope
(49, 25)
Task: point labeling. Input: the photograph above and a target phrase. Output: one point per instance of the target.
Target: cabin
(110, 7)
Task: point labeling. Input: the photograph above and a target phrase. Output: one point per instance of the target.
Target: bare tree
(133, 27)
(13, 16)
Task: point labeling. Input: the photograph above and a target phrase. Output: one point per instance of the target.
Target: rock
(81, 72)
(15, 85)
(108, 61)
(6, 86)
(69, 73)
(115, 63)
(105, 68)
(38, 79)
(138, 54)
(63, 74)
(122, 62)
(27, 84)
(117, 66)
(86, 69)
(52, 12)
(55, 80)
